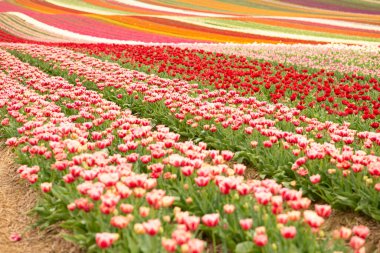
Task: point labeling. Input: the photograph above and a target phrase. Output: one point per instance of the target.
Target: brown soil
(350, 219)
(16, 200)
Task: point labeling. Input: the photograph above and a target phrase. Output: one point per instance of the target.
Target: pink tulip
(126, 208)
(239, 169)
(196, 246)
(263, 198)
(356, 242)
(229, 208)
(187, 170)
(323, 210)
(46, 187)
(288, 232)
(152, 227)
(191, 222)
(344, 233)
(169, 245)
(210, 220)
(243, 189)
(144, 211)
(105, 240)
(315, 179)
(227, 155)
(260, 240)
(119, 221)
(361, 231)
(202, 181)
(282, 218)
(246, 224)
(313, 219)
(71, 207)
(181, 236)
(15, 237)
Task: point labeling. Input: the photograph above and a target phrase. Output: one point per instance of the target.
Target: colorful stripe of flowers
(178, 21)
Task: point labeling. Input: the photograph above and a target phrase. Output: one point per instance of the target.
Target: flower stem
(213, 242)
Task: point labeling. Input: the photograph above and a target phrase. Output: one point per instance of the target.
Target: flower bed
(120, 184)
(340, 172)
(318, 93)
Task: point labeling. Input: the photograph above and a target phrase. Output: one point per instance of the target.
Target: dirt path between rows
(16, 200)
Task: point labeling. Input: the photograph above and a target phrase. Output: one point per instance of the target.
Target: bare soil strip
(16, 200)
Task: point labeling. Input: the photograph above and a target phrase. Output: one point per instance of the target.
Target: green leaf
(133, 247)
(245, 247)
(93, 248)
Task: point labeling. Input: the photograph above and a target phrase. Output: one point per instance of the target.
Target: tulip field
(175, 126)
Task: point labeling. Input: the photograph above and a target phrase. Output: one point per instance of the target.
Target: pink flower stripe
(92, 27)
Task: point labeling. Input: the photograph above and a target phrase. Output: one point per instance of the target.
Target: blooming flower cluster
(325, 152)
(346, 94)
(344, 58)
(126, 185)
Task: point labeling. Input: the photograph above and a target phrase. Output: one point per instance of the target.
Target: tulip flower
(15, 237)
(105, 240)
(246, 224)
(210, 220)
(315, 179)
(288, 232)
(260, 240)
(152, 227)
(356, 242)
(361, 231)
(46, 187)
(323, 210)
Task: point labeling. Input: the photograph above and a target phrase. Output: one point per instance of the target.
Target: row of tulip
(341, 173)
(363, 59)
(121, 185)
(316, 92)
(310, 127)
